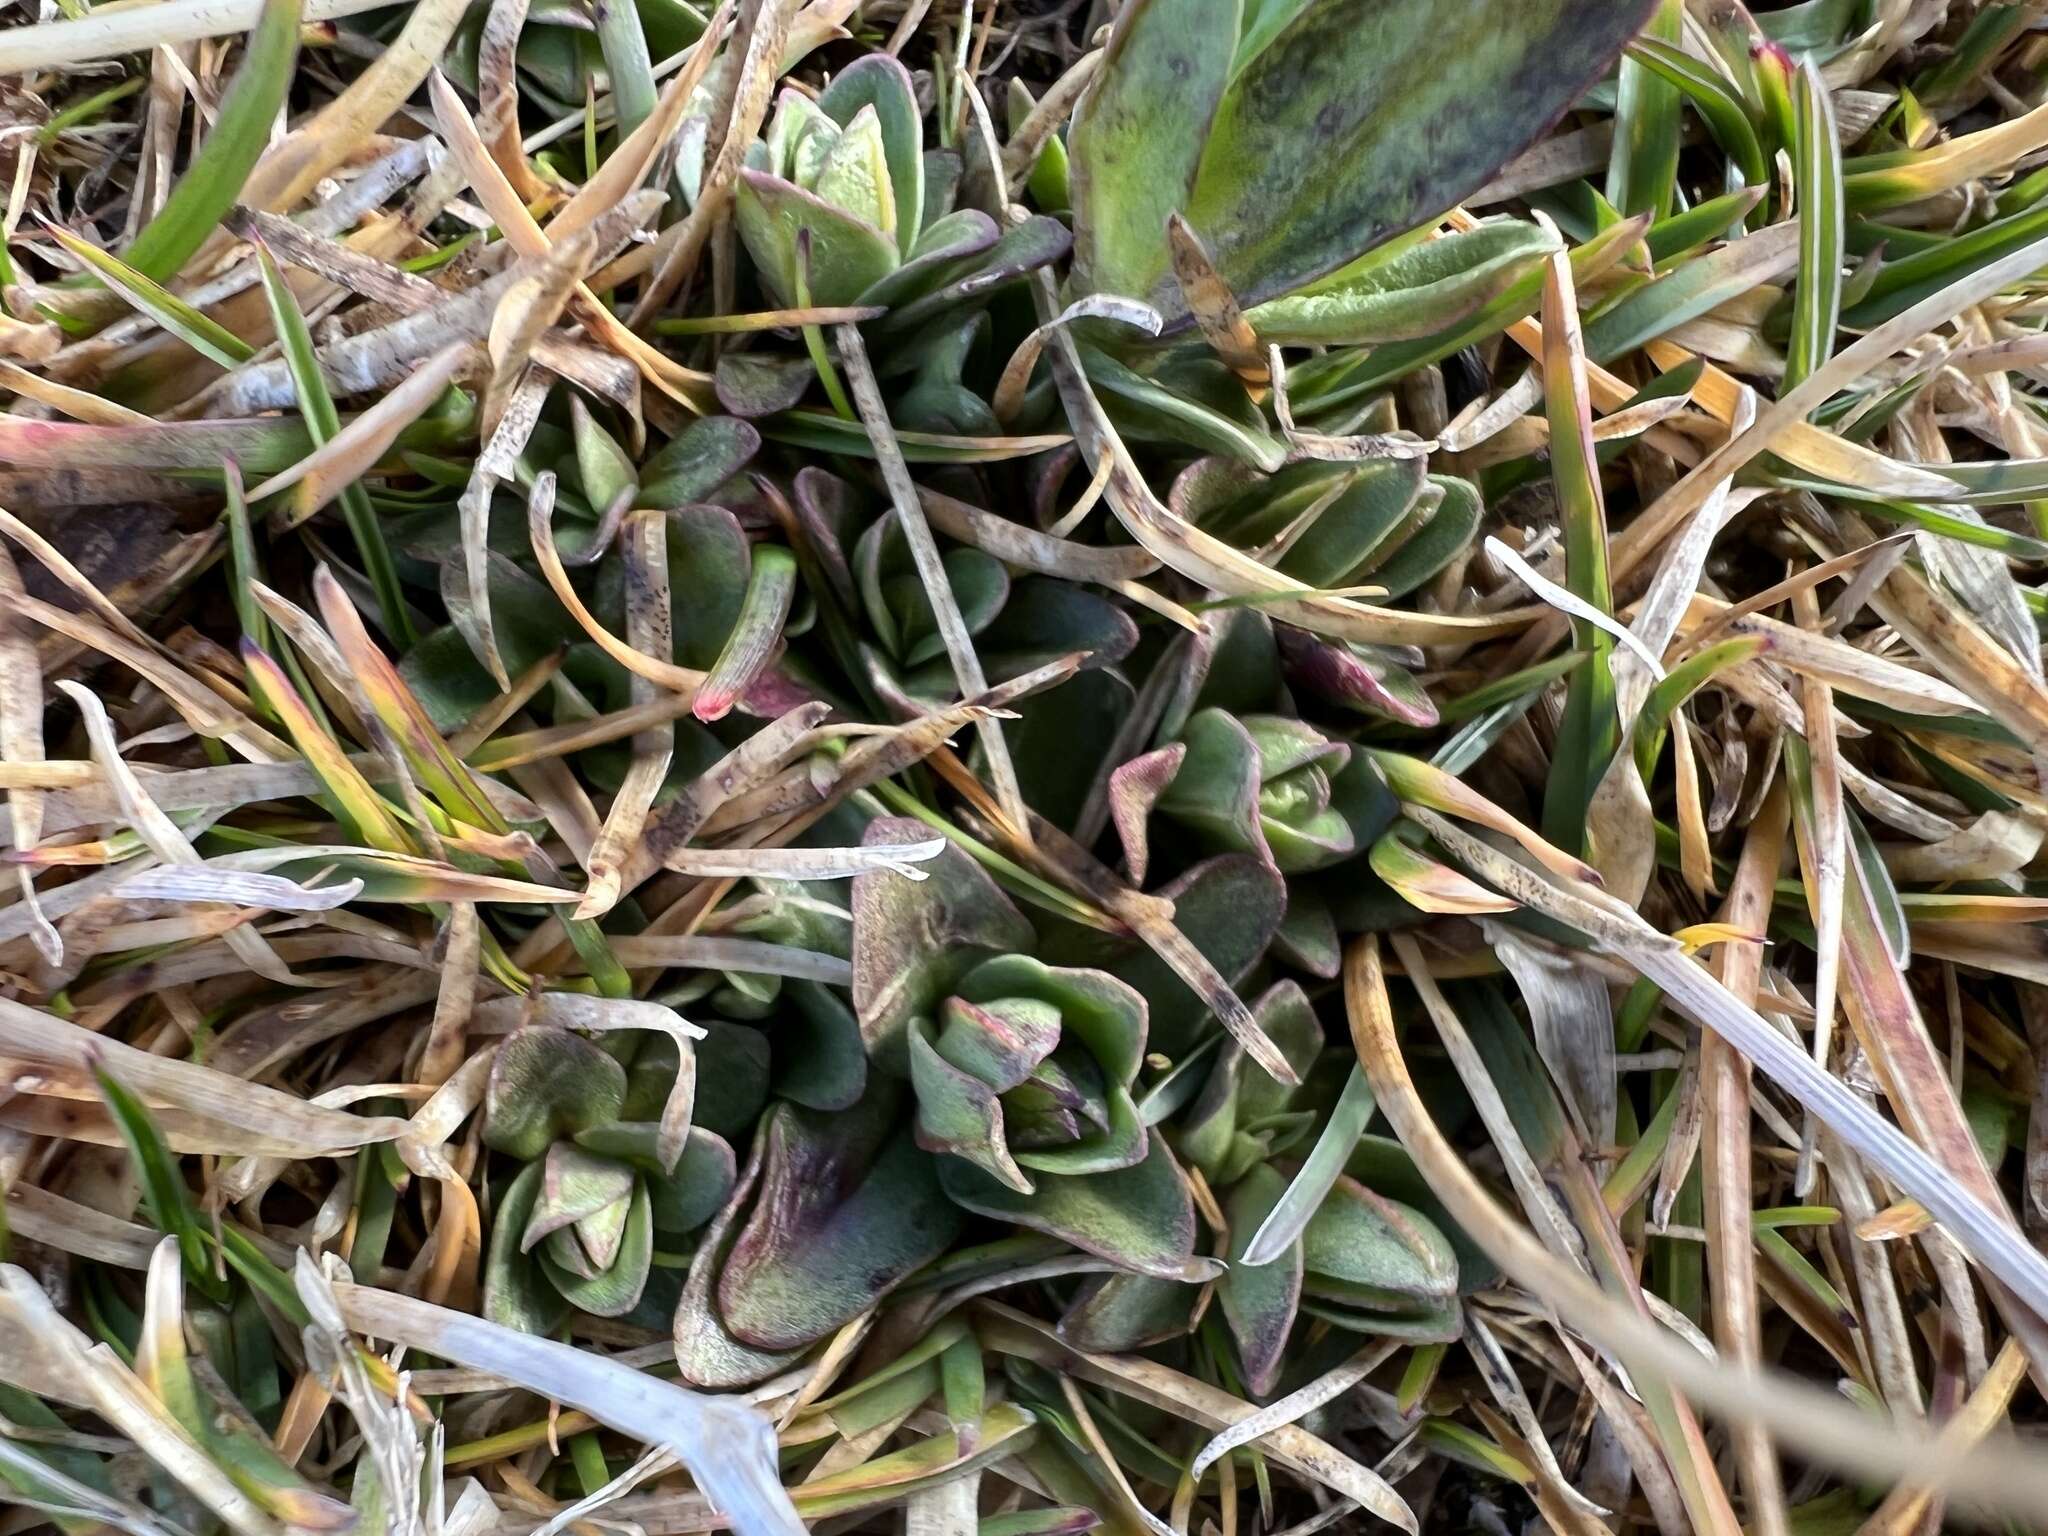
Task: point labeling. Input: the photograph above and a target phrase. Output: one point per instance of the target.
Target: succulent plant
(1357, 1261)
(962, 564)
(1243, 1117)
(1028, 1068)
(834, 208)
(1246, 779)
(1022, 1072)
(1017, 623)
(577, 1226)
(1382, 522)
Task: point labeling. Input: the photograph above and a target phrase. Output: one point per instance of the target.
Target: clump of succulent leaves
(975, 770)
(597, 1184)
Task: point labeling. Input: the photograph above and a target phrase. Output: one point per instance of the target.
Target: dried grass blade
(1670, 510)
(727, 1445)
(1803, 1417)
(938, 587)
(342, 460)
(519, 414)
(644, 542)
(1814, 773)
(765, 30)
(293, 167)
(21, 743)
(158, 831)
(93, 1374)
(1010, 1332)
(540, 511)
(284, 1125)
(1725, 1153)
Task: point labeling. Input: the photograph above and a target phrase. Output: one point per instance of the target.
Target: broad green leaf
(547, 1083)
(1259, 1301)
(1137, 140)
(1348, 126)
(1433, 545)
(1140, 1217)
(848, 1207)
(782, 224)
(1414, 291)
(854, 174)
(877, 80)
(516, 1293)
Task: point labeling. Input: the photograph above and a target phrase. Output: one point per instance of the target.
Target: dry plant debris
(998, 768)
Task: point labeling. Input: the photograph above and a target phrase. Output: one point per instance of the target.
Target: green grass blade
(241, 132)
(1678, 685)
(624, 42)
(208, 337)
(1817, 175)
(323, 421)
(1642, 168)
(164, 1194)
(1718, 103)
(1590, 730)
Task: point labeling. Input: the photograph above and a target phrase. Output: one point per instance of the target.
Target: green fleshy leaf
(1141, 1216)
(847, 254)
(1063, 734)
(547, 1083)
(1374, 509)
(1117, 1314)
(575, 1184)
(1259, 1303)
(854, 173)
(848, 1207)
(1136, 141)
(603, 468)
(755, 384)
(1216, 788)
(1228, 908)
(1228, 1129)
(516, 1292)
(1433, 545)
(709, 563)
(707, 1355)
(958, 1113)
(946, 250)
(1038, 241)
(615, 1289)
(1403, 291)
(1341, 130)
(914, 939)
(879, 81)
(1358, 1240)
(697, 461)
(820, 1061)
(897, 604)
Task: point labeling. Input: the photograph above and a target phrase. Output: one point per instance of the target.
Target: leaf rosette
(579, 1225)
